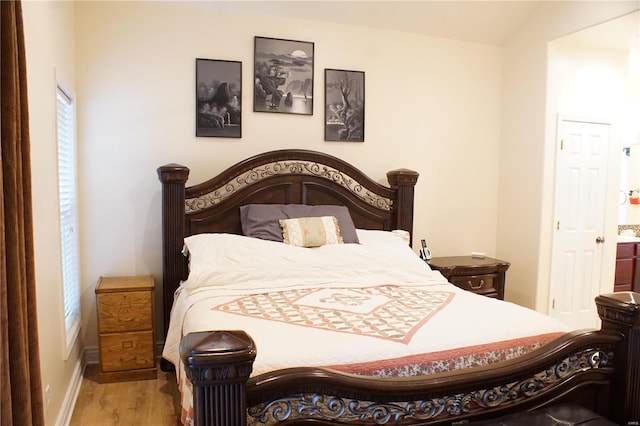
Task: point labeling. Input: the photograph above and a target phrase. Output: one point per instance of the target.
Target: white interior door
(578, 241)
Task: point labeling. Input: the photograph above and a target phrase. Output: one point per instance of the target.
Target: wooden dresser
(485, 276)
(627, 277)
(125, 328)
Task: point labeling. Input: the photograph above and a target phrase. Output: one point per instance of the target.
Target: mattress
(373, 308)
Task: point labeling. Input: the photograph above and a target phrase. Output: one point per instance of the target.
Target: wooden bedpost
(403, 181)
(173, 178)
(218, 363)
(621, 312)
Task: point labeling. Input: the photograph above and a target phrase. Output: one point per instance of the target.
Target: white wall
(591, 83)
(588, 82)
(432, 105)
(525, 206)
(49, 40)
(628, 213)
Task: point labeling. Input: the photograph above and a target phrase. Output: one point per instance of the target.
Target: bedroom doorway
(579, 220)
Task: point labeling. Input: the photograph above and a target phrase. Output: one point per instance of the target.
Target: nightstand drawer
(485, 276)
(126, 311)
(477, 283)
(126, 351)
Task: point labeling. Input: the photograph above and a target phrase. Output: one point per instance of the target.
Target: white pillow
(373, 237)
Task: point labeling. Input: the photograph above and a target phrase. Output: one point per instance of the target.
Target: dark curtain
(20, 381)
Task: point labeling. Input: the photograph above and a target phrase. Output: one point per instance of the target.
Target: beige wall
(592, 83)
(49, 39)
(525, 206)
(432, 105)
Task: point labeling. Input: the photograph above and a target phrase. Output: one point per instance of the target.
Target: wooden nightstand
(125, 328)
(484, 276)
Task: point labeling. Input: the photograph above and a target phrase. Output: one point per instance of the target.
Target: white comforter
(224, 267)
(234, 281)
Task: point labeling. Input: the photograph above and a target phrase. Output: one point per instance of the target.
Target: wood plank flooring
(142, 402)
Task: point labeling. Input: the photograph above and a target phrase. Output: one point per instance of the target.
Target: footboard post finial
(218, 363)
(621, 312)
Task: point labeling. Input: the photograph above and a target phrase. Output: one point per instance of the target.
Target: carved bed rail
(599, 369)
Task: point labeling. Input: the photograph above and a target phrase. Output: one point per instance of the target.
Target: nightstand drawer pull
(127, 319)
(477, 286)
(123, 360)
(127, 344)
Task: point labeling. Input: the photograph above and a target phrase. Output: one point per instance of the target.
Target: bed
(238, 366)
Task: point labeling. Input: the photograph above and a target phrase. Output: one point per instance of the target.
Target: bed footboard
(597, 369)
(621, 312)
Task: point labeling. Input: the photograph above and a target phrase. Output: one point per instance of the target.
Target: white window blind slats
(68, 217)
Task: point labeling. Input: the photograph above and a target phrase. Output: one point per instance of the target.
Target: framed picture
(283, 76)
(344, 105)
(218, 98)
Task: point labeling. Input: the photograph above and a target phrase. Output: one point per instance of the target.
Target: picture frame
(218, 98)
(283, 71)
(344, 105)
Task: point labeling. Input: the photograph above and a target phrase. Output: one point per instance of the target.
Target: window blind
(68, 216)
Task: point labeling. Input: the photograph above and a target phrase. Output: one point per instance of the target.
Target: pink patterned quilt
(386, 312)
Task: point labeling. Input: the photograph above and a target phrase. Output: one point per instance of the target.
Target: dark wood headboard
(276, 177)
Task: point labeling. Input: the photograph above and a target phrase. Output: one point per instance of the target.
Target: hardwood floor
(142, 402)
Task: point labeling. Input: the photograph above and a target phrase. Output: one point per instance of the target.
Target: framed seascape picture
(218, 98)
(283, 76)
(344, 105)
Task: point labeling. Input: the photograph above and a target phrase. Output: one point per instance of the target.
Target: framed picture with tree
(218, 98)
(283, 76)
(344, 105)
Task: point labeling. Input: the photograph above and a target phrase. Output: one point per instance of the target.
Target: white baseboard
(66, 411)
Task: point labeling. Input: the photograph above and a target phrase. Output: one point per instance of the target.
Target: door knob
(599, 240)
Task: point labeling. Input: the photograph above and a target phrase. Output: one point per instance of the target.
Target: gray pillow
(261, 220)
